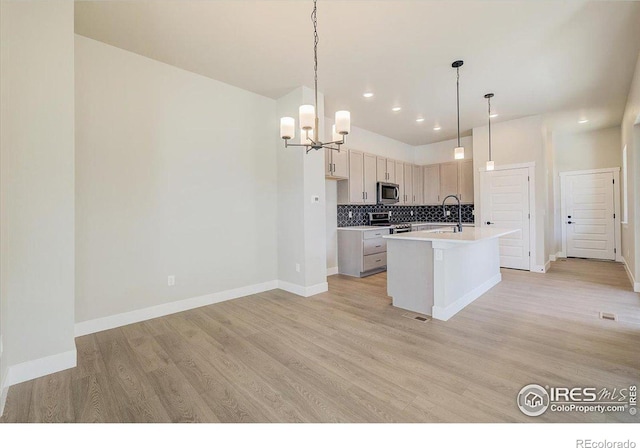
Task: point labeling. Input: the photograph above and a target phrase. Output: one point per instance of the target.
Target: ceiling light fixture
(490, 164)
(367, 95)
(583, 121)
(458, 152)
(397, 109)
(493, 115)
(419, 119)
(308, 114)
(436, 128)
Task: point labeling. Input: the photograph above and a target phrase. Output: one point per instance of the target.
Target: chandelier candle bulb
(307, 116)
(458, 153)
(343, 122)
(287, 128)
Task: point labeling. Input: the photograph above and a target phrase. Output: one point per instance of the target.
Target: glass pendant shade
(307, 116)
(343, 122)
(287, 128)
(458, 153)
(490, 165)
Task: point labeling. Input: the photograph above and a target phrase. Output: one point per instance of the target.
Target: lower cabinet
(362, 252)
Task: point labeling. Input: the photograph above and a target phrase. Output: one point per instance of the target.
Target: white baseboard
(635, 285)
(131, 317)
(552, 257)
(303, 291)
(29, 370)
(447, 313)
(561, 255)
(332, 271)
(539, 268)
(4, 391)
(547, 265)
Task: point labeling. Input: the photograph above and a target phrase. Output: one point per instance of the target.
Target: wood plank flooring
(348, 356)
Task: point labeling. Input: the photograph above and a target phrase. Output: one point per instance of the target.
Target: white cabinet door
(391, 171)
(417, 186)
(356, 177)
(328, 167)
(381, 169)
(431, 184)
(465, 188)
(505, 204)
(408, 184)
(369, 179)
(448, 179)
(340, 160)
(399, 175)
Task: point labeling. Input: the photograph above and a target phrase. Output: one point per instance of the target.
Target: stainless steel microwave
(388, 193)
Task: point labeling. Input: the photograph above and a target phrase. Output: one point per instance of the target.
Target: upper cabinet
(385, 170)
(408, 185)
(418, 198)
(360, 188)
(400, 181)
(336, 164)
(450, 178)
(431, 184)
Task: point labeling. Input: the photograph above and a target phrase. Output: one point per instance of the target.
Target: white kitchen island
(439, 273)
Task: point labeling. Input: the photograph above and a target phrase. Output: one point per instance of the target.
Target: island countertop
(468, 235)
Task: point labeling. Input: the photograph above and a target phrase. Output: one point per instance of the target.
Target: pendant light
(458, 152)
(490, 164)
(308, 114)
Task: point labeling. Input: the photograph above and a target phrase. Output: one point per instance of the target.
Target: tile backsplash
(421, 213)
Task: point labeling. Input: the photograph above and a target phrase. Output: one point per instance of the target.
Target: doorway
(590, 214)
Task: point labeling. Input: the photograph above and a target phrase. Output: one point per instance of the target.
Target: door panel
(448, 179)
(399, 175)
(466, 181)
(370, 179)
(381, 169)
(408, 184)
(340, 160)
(505, 204)
(589, 208)
(418, 198)
(356, 173)
(431, 182)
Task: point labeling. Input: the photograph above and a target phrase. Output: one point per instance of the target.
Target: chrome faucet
(444, 210)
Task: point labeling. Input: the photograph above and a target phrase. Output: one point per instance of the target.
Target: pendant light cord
(458, 100)
(314, 20)
(489, 101)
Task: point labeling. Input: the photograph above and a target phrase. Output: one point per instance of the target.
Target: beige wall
(176, 175)
(37, 180)
(580, 151)
(631, 139)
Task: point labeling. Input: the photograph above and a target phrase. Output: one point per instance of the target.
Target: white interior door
(505, 204)
(589, 221)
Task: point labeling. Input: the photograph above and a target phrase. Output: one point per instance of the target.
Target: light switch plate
(315, 199)
(438, 254)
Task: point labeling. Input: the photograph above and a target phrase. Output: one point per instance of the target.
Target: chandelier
(490, 164)
(308, 114)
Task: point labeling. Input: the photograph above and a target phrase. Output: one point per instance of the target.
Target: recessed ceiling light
(396, 109)
(493, 115)
(583, 121)
(436, 128)
(367, 94)
(419, 119)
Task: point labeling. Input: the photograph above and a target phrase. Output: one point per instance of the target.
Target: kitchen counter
(363, 228)
(468, 235)
(437, 273)
(427, 223)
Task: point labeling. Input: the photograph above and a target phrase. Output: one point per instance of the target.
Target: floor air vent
(608, 316)
(417, 317)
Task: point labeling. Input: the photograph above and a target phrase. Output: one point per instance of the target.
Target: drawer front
(374, 261)
(374, 233)
(374, 246)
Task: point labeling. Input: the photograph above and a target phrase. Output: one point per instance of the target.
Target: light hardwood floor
(348, 356)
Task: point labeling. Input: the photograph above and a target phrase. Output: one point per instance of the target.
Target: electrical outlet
(411, 212)
(297, 267)
(438, 254)
(315, 199)
(171, 280)
(390, 213)
(350, 215)
(448, 213)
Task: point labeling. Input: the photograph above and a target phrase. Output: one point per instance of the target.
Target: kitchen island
(439, 272)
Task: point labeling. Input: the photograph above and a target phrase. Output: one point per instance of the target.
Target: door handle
(489, 223)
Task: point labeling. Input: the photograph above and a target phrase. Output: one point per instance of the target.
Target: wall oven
(388, 193)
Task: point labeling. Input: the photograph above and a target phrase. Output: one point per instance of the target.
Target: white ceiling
(563, 59)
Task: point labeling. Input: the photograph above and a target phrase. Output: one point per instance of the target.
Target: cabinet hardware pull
(378, 261)
(379, 245)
